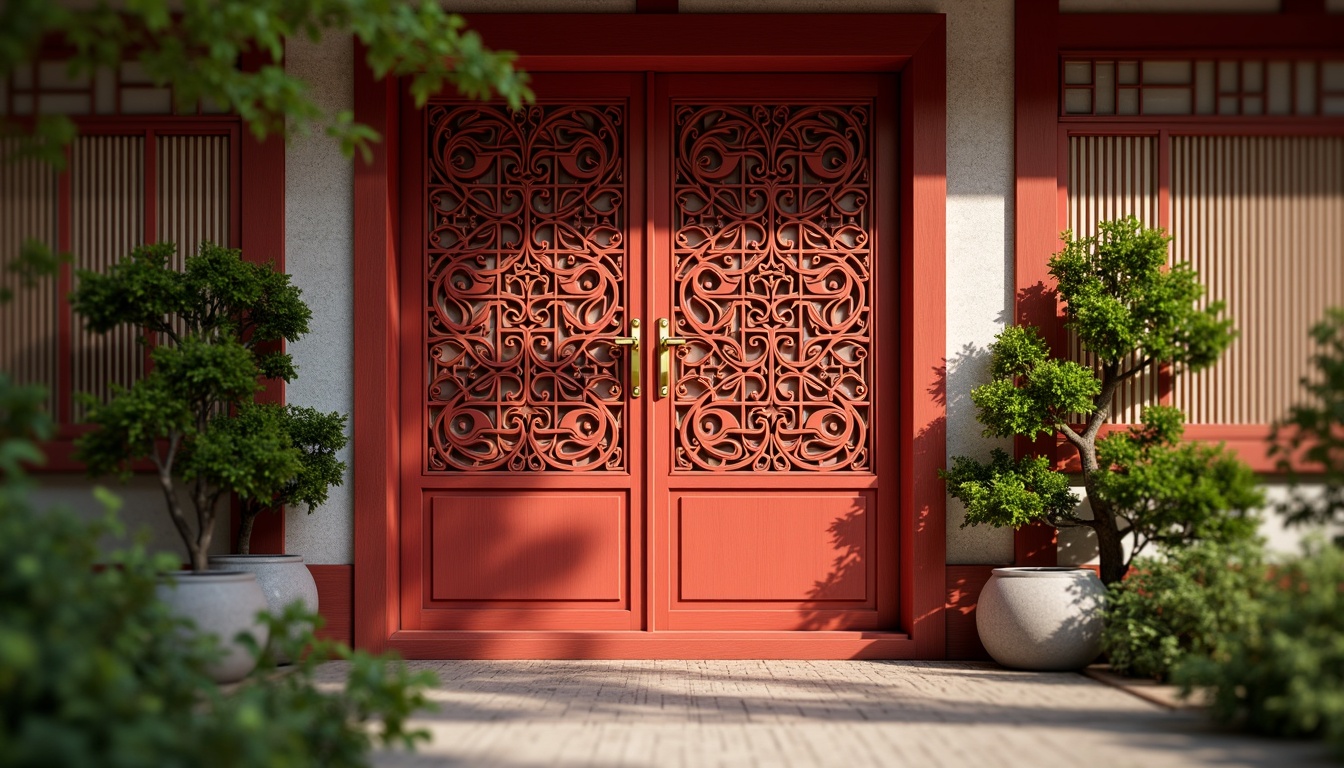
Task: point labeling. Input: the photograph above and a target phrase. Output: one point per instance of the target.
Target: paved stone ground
(807, 713)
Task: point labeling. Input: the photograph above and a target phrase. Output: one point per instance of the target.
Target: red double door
(650, 363)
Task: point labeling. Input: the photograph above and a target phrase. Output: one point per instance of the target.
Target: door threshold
(638, 644)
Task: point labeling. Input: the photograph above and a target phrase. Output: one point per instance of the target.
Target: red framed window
(1240, 157)
(136, 173)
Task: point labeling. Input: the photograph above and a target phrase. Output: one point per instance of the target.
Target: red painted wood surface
(922, 418)
(964, 583)
(796, 548)
(537, 547)
(728, 449)
(375, 419)
(336, 588)
(395, 604)
(335, 601)
(521, 265)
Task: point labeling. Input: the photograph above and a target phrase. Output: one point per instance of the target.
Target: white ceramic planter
(283, 579)
(221, 604)
(1042, 618)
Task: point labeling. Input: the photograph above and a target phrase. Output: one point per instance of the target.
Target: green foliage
(295, 710)
(33, 263)
(1131, 313)
(217, 295)
(94, 672)
(215, 325)
(1173, 493)
(275, 456)
(1190, 602)
(195, 45)
(1007, 492)
(1314, 430)
(1031, 393)
(1120, 300)
(1283, 673)
(24, 423)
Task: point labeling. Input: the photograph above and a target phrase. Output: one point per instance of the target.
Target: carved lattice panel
(772, 262)
(526, 288)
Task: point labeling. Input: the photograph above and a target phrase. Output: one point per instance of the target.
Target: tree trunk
(245, 520)
(1109, 541)
(200, 558)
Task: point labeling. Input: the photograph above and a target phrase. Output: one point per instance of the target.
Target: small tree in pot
(306, 451)
(215, 328)
(1132, 314)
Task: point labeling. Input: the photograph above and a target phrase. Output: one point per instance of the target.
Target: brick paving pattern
(807, 713)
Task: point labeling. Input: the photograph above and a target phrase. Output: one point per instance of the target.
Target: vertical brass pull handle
(632, 341)
(665, 345)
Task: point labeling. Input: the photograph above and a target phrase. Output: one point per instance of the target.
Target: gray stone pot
(221, 604)
(283, 579)
(1042, 618)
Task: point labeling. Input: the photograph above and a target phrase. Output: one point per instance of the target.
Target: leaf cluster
(1313, 431)
(216, 326)
(1189, 602)
(1008, 492)
(1283, 673)
(1172, 493)
(1031, 393)
(195, 45)
(276, 455)
(211, 324)
(215, 297)
(1121, 299)
(94, 670)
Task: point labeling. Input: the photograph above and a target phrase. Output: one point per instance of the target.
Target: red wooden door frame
(913, 47)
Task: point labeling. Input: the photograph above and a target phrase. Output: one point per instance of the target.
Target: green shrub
(1133, 312)
(1283, 674)
(1313, 433)
(94, 673)
(216, 326)
(1189, 602)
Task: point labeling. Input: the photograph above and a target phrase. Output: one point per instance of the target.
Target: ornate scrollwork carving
(526, 288)
(772, 263)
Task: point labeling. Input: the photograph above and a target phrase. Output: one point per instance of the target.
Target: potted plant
(1131, 314)
(214, 329)
(296, 467)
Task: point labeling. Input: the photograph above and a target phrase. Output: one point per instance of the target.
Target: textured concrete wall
(142, 511)
(1078, 546)
(319, 254)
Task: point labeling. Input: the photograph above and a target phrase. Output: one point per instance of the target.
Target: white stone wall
(1078, 546)
(143, 512)
(319, 255)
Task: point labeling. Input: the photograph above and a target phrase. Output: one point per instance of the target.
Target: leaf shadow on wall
(849, 573)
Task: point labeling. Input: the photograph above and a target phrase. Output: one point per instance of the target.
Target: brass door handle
(632, 341)
(665, 345)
